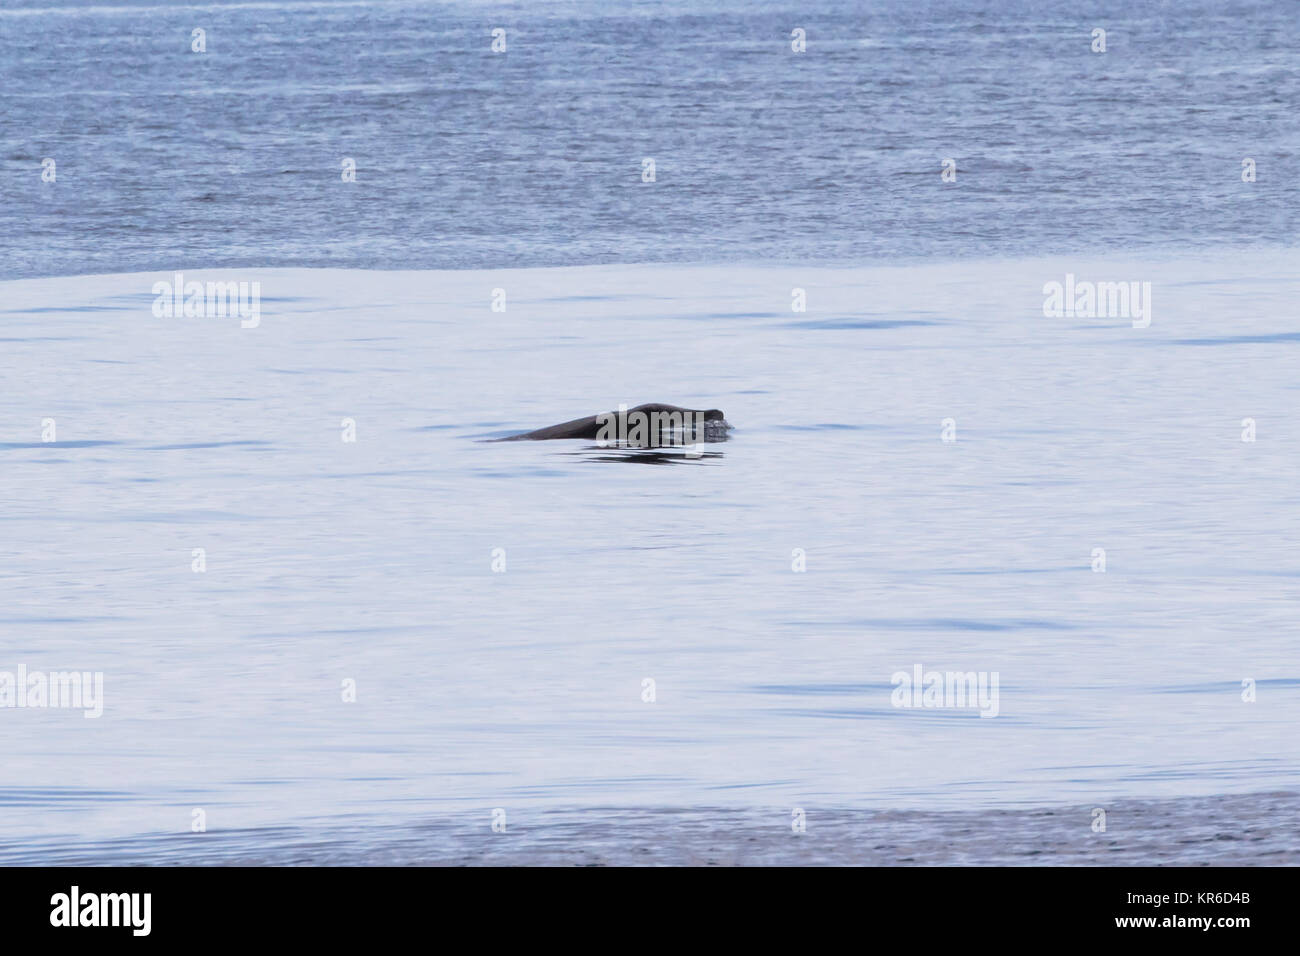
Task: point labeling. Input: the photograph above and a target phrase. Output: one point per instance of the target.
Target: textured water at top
(466, 158)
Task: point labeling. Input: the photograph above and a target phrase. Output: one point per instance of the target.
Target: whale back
(589, 428)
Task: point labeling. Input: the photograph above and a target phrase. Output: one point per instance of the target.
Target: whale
(653, 424)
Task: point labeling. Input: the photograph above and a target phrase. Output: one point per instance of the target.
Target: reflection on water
(635, 455)
(670, 448)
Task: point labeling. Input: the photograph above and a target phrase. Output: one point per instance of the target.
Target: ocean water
(616, 648)
(167, 158)
(1246, 830)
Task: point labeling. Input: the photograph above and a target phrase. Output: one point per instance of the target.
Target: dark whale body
(589, 427)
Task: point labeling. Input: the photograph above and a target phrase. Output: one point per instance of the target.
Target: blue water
(522, 688)
(167, 158)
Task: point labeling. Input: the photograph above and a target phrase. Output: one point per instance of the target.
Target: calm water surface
(372, 561)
